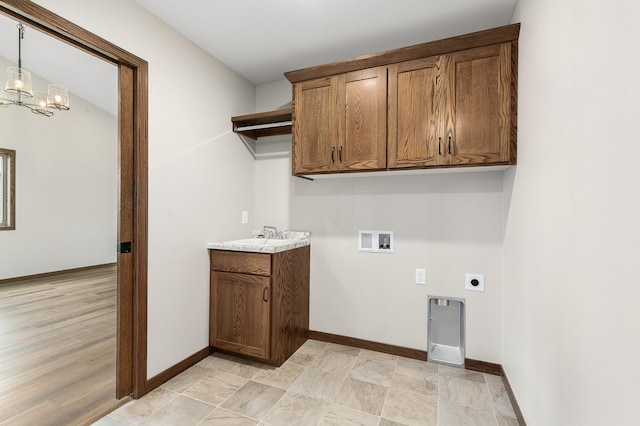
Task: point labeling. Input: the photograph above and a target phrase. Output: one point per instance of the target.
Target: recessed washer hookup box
(446, 331)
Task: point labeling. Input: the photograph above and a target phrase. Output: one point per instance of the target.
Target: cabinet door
(362, 109)
(240, 313)
(415, 92)
(315, 126)
(478, 109)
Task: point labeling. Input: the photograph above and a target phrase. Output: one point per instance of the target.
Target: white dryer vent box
(375, 241)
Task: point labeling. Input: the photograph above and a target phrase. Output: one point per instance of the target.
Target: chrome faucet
(268, 232)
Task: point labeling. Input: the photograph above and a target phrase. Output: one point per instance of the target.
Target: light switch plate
(245, 217)
(474, 282)
(421, 276)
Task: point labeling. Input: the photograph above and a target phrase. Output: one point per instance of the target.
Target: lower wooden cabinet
(240, 313)
(259, 303)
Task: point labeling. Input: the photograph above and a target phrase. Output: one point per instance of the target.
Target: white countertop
(291, 240)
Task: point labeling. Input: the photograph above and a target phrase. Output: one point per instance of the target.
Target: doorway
(131, 358)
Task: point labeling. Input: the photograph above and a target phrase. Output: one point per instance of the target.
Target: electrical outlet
(474, 282)
(421, 276)
(245, 217)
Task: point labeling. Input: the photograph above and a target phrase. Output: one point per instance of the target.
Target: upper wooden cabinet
(315, 135)
(451, 109)
(415, 113)
(447, 103)
(479, 111)
(341, 122)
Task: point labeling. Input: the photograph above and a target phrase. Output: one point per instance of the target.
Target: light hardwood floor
(57, 348)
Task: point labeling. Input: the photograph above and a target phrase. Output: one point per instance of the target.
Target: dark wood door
(240, 313)
(415, 93)
(478, 110)
(315, 126)
(362, 109)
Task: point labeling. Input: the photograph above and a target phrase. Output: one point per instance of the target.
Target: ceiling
(261, 39)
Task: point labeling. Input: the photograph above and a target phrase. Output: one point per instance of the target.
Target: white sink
(269, 242)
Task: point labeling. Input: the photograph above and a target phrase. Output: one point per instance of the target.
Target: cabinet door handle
(449, 144)
(265, 292)
(340, 153)
(333, 150)
(439, 151)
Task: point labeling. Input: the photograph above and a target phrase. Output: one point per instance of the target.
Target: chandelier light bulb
(58, 97)
(40, 104)
(18, 82)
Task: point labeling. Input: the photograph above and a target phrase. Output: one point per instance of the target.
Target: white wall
(571, 291)
(66, 187)
(449, 224)
(273, 162)
(201, 175)
(274, 95)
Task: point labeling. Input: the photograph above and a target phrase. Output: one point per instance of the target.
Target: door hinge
(124, 247)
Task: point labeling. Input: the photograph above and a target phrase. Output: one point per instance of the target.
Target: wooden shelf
(262, 124)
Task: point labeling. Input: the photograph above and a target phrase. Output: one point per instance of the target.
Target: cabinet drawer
(240, 261)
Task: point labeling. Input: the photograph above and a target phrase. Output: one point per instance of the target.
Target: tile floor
(322, 384)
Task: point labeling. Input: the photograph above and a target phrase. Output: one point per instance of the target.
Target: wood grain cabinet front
(452, 110)
(480, 111)
(259, 303)
(240, 313)
(447, 103)
(315, 134)
(340, 123)
(415, 128)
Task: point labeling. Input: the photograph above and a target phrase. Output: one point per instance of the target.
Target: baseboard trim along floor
(53, 273)
(176, 369)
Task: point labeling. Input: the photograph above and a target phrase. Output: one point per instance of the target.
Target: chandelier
(21, 93)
